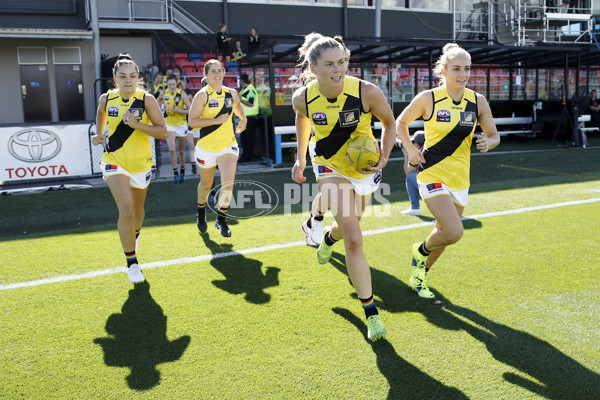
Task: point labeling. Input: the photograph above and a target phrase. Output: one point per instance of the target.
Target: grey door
(69, 92)
(35, 91)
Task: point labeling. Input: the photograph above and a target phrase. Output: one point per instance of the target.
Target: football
(362, 152)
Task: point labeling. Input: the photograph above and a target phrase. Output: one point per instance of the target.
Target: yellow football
(362, 152)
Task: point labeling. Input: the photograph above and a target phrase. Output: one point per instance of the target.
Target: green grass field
(519, 316)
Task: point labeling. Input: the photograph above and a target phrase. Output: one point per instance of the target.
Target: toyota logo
(34, 145)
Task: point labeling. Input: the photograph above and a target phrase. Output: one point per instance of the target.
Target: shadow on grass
(139, 339)
(405, 380)
(242, 274)
(555, 374)
(89, 210)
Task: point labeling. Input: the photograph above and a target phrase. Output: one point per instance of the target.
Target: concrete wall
(139, 47)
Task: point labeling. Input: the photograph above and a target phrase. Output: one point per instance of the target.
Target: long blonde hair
(449, 52)
(312, 50)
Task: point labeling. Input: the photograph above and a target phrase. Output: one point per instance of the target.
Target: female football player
(450, 113)
(340, 108)
(133, 116)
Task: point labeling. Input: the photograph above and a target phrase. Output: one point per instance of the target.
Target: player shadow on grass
(406, 381)
(242, 274)
(139, 339)
(557, 376)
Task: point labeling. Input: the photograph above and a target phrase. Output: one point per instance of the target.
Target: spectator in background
(238, 52)
(249, 100)
(594, 109)
(418, 140)
(223, 44)
(253, 40)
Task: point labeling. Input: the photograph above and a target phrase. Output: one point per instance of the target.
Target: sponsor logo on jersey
(167, 98)
(200, 161)
(349, 118)
(212, 103)
(324, 170)
(467, 118)
(434, 187)
(443, 116)
(113, 111)
(319, 118)
(228, 102)
(332, 107)
(110, 167)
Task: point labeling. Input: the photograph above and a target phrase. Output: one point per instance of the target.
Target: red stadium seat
(209, 56)
(189, 67)
(180, 57)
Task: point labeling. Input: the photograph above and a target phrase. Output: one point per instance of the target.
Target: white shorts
(140, 180)
(195, 133)
(180, 131)
(208, 159)
(429, 190)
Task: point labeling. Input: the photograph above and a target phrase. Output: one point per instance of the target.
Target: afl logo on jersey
(467, 118)
(319, 118)
(349, 118)
(213, 103)
(113, 111)
(443, 116)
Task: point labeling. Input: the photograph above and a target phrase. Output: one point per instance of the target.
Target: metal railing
(154, 11)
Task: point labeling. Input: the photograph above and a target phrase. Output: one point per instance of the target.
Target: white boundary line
(207, 257)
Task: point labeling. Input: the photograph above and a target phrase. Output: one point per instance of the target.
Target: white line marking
(207, 257)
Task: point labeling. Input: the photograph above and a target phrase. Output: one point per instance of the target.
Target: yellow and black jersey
(174, 99)
(336, 121)
(127, 147)
(217, 137)
(448, 137)
(157, 90)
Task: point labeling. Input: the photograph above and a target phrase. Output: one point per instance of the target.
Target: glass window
(594, 82)
(543, 85)
(403, 84)
(518, 84)
(530, 84)
(556, 88)
(499, 83)
(423, 79)
(478, 80)
(442, 5)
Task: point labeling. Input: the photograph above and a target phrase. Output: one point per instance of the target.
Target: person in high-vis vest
(212, 111)
(249, 100)
(450, 115)
(340, 108)
(133, 117)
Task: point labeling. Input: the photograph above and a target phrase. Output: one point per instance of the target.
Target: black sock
(182, 171)
(175, 171)
(329, 241)
(309, 222)
(131, 258)
(369, 306)
(320, 215)
(423, 250)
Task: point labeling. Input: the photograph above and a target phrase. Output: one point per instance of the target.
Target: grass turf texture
(518, 318)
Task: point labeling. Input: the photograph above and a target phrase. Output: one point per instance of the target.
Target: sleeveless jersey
(448, 138)
(127, 147)
(171, 100)
(217, 137)
(336, 121)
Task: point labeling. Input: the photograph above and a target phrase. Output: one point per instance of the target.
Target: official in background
(249, 100)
